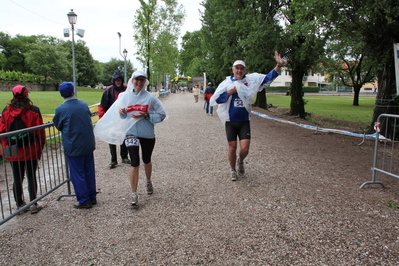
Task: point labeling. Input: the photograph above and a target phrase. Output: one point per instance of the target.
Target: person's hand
(278, 59)
(139, 115)
(232, 91)
(122, 111)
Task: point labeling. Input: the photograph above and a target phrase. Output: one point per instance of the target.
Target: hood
(14, 112)
(117, 75)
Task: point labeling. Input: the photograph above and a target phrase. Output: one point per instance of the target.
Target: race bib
(238, 103)
(132, 141)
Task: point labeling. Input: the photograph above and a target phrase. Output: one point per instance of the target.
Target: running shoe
(35, 208)
(233, 175)
(241, 170)
(149, 187)
(126, 160)
(135, 198)
(112, 165)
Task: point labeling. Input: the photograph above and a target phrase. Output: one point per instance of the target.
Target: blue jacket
(73, 119)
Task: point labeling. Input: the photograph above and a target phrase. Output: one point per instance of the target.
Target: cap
(138, 73)
(66, 88)
(19, 91)
(239, 62)
(209, 83)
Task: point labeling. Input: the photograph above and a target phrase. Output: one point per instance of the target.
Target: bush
(19, 76)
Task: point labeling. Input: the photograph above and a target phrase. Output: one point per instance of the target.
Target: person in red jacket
(110, 95)
(26, 159)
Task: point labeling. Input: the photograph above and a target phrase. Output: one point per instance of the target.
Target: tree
(191, 57)
(157, 28)
(240, 30)
(349, 59)
(48, 60)
(110, 67)
(85, 65)
(304, 37)
(14, 50)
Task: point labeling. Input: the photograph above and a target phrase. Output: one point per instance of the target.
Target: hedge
(19, 76)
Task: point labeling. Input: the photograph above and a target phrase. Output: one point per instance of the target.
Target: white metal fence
(386, 155)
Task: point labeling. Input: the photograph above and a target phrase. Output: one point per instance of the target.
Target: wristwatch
(147, 116)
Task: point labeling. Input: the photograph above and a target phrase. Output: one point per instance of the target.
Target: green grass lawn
(47, 101)
(337, 107)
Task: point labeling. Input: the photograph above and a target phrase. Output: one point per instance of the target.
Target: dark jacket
(110, 94)
(209, 91)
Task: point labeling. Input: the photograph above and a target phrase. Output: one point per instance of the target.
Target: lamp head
(72, 17)
(125, 53)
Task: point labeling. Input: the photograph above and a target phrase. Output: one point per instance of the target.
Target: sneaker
(21, 206)
(126, 160)
(233, 175)
(112, 165)
(149, 187)
(93, 201)
(241, 170)
(135, 198)
(35, 208)
(83, 206)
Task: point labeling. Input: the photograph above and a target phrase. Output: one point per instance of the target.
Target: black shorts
(147, 146)
(240, 129)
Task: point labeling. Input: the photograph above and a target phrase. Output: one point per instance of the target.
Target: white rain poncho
(112, 128)
(247, 88)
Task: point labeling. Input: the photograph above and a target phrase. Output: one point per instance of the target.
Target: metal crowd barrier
(386, 157)
(51, 173)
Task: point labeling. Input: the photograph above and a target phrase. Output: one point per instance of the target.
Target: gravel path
(299, 204)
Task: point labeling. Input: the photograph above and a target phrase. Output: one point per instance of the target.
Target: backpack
(20, 139)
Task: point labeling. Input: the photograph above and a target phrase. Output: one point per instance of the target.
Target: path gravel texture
(299, 203)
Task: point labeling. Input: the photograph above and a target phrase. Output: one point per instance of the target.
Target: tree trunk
(297, 104)
(356, 91)
(385, 102)
(261, 100)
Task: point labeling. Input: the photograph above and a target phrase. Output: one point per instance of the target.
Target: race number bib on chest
(132, 141)
(238, 103)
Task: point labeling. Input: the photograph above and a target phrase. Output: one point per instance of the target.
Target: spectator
(209, 91)
(110, 95)
(196, 92)
(29, 151)
(73, 119)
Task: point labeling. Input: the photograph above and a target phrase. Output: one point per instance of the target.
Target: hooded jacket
(31, 117)
(110, 94)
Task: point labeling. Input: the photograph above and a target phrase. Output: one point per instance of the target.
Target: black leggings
(18, 171)
(147, 146)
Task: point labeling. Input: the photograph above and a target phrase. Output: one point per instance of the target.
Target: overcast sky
(100, 20)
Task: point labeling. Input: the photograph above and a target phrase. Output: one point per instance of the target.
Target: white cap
(138, 73)
(239, 62)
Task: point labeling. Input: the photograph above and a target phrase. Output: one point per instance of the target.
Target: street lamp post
(72, 17)
(124, 55)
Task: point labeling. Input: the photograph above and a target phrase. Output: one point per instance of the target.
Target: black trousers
(18, 170)
(123, 152)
